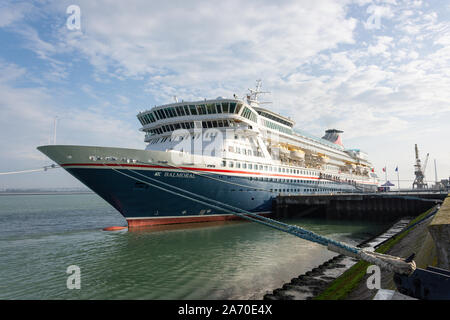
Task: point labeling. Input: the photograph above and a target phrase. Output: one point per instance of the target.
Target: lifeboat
(282, 151)
(323, 158)
(297, 154)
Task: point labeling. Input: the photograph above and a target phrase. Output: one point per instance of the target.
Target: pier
(380, 206)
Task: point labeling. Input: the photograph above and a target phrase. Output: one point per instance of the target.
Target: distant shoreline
(36, 193)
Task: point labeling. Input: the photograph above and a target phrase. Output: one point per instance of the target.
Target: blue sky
(378, 70)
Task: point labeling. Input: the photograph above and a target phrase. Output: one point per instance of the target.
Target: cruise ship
(206, 160)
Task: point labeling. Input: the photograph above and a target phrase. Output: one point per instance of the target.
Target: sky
(378, 70)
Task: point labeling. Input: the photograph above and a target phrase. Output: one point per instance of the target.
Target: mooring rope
(45, 168)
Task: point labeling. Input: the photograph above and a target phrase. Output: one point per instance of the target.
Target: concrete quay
(381, 206)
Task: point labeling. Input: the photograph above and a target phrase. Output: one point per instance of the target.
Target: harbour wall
(372, 207)
(439, 229)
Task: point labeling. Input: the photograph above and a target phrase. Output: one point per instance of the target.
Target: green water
(41, 235)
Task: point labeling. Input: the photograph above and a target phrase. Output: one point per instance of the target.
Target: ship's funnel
(333, 136)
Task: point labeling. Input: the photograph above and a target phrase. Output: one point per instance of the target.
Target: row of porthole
(99, 158)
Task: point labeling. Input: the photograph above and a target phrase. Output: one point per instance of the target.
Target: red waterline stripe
(192, 169)
(136, 222)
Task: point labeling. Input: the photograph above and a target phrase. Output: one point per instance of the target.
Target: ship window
(232, 107)
(238, 108)
(193, 110)
(204, 124)
(171, 127)
(186, 110)
(250, 166)
(230, 149)
(238, 165)
(211, 108)
(214, 123)
(180, 111)
(209, 124)
(231, 164)
(224, 163)
(177, 126)
(201, 109)
(260, 167)
(225, 107)
(265, 168)
(219, 108)
(244, 166)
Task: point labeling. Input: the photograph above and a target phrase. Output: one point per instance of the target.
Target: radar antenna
(252, 97)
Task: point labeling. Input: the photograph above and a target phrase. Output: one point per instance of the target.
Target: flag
(384, 169)
(396, 169)
(373, 169)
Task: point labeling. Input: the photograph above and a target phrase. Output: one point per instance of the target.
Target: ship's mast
(252, 97)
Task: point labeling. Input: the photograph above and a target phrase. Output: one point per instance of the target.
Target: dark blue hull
(142, 194)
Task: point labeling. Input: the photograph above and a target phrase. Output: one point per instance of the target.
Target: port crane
(419, 181)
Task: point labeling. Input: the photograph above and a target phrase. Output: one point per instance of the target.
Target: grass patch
(350, 279)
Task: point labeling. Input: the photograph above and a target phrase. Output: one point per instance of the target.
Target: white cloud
(27, 121)
(390, 82)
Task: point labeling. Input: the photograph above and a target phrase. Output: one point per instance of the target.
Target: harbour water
(42, 235)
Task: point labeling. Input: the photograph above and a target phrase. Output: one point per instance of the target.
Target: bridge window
(232, 107)
(180, 111)
(219, 108)
(211, 108)
(225, 107)
(160, 114)
(193, 110)
(201, 108)
(238, 108)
